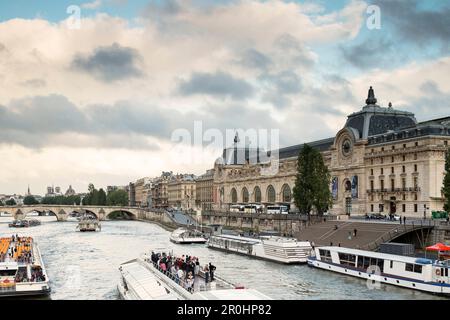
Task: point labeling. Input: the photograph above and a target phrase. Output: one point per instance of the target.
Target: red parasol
(438, 247)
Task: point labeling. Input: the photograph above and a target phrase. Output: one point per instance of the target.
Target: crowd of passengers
(184, 270)
(25, 256)
(36, 275)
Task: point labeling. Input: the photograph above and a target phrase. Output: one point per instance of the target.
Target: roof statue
(371, 97)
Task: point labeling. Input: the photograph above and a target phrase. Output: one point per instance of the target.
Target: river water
(84, 265)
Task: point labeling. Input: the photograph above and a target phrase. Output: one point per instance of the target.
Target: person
(212, 268)
(206, 271)
(339, 244)
(180, 275)
(404, 219)
(354, 232)
(400, 220)
(189, 282)
(349, 235)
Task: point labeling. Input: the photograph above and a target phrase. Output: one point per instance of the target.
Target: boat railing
(219, 282)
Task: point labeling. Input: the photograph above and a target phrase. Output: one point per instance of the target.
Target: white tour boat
(409, 272)
(141, 279)
(185, 236)
(273, 248)
(22, 271)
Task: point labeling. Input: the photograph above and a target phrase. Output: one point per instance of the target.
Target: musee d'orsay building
(383, 160)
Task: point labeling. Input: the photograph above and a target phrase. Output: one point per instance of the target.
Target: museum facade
(382, 160)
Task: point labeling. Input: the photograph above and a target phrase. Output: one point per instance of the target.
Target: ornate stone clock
(347, 147)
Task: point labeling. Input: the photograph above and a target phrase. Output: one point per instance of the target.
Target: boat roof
(379, 255)
(144, 283)
(238, 238)
(230, 294)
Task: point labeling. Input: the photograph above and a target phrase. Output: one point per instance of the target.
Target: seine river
(84, 265)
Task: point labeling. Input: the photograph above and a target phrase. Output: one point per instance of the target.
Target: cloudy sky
(98, 99)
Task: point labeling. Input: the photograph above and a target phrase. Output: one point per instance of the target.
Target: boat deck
(19, 251)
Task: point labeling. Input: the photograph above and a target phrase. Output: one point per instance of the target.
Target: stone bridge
(63, 211)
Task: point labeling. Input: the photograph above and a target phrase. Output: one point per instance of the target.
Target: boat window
(380, 264)
(325, 255)
(418, 268)
(360, 261)
(446, 272)
(373, 261)
(7, 273)
(391, 264)
(409, 267)
(347, 259)
(366, 262)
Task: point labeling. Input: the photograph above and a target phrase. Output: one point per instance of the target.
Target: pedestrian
(206, 271)
(212, 268)
(400, 220)
(404, 219)
(349, 235)
(354, 232)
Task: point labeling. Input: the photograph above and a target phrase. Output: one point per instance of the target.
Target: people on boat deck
(182, 269)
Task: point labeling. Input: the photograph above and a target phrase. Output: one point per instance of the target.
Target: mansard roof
(373, 119)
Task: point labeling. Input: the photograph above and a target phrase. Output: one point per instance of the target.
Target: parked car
(376, 216)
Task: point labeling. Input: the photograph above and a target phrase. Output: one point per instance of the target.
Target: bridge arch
(120, 214)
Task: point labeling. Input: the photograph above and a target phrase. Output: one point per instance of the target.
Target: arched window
(270, 194)
(233, 195)
(257, 193)
(286, 191)
(245, 196)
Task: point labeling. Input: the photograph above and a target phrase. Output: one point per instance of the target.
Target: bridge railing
(402, 229)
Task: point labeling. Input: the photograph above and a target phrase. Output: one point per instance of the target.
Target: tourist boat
(89, 224)
(409, 272)
(141, 279)
(273, 248)
(186, 236)
(24, 223)
(22, 271)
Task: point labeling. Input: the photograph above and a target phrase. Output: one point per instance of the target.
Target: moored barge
(408, 272)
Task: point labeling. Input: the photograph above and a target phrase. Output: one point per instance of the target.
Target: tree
(30, 200)
(11, 202)
(312, 183)
(446, 187)
(101, 197)
(117, 198)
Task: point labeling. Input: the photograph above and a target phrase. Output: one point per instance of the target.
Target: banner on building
(334, 188)
(355, 187)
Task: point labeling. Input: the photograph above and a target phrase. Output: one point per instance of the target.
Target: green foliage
(312, 183)
(62, 200)
(30, 200)
(2, 204)
(446, 182)
(10, 202)
(117, 198)
(101, 197)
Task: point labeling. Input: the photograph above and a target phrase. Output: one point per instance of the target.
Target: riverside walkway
(370, 234)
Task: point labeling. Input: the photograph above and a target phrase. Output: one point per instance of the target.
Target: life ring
(438, 272)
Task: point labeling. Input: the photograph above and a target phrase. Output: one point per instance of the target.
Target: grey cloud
(254, 59)
(371, 52)
(34, 83)
(219, 84)
(294, 50)
(279, 86)
(110, 63)
(414, 24)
